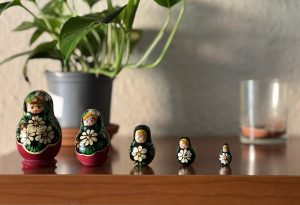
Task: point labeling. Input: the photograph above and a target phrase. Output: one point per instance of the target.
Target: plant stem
(62, 66)
(118, 63)
(81, 60)
(101, 71)
(109, 5)
(103, 50)
(69, 8)
(84, 65)
(89, 47)
(24, 7)
(109, 43)
(128, 48)
(154, 43)
(36, 5)
(73, 5)
(168, 43)
(116, 43)
(73, 65)
(67, 66)
(98, 51)
(48, 28)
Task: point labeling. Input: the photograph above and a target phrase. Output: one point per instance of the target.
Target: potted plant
(93, 49)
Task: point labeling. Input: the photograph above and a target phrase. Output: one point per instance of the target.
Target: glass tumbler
(263, 112)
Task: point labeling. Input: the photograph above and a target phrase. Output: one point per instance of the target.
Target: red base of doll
(96, 159)
(42, 159)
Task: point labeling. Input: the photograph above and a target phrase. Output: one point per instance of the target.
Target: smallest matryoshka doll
(92, 144)
(225, 155)
(185, 152)
(142, 149)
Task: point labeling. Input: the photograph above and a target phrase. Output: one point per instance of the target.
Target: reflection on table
(247, 159)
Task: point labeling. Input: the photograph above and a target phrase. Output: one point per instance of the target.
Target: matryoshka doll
(225, 156)
(38, 132)
(185, 152)
(142, 149)
(92, 143)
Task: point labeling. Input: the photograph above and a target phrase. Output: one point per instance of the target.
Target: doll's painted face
(140, 136)
(35, 106)
(184, 143)
(225, 148)
(89, 119)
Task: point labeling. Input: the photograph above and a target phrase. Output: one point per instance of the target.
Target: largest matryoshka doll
(38, 132)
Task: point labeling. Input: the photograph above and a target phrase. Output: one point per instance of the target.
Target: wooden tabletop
(274, 176)
(280, 159)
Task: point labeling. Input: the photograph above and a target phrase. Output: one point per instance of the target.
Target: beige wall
(194, 92)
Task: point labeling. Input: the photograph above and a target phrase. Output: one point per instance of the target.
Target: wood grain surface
(95, 189)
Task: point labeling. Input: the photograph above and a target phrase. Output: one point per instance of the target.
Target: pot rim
(75, 76)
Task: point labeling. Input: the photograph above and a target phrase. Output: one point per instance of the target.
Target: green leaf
(78, 27)
(3, 6)
(46, 50)
(72, 33)
(24, 26)
(96, 16)
(35, 36)
(54, 8)
(91, 2)
(14, 56)
(6, 5)
(110, 17)
(128, 14)
(167, 3)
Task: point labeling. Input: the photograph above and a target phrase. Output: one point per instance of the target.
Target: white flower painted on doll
(224, 158)
(139, 153)
(26, 136)
(46, 136)
(184, 156)
(88, 138)
(36, 124)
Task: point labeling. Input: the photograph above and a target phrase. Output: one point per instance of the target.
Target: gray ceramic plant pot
(74, 92)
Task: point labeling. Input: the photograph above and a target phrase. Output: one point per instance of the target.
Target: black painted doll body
(225, 156)
(142, 150)
(185, 152)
